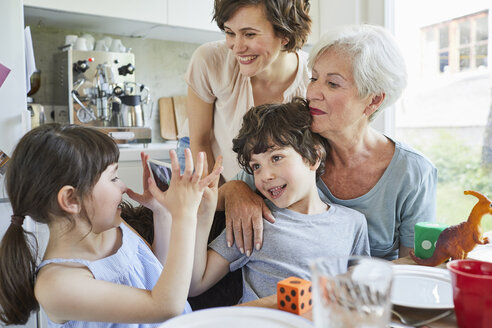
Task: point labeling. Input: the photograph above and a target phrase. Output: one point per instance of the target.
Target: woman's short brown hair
(290, 18)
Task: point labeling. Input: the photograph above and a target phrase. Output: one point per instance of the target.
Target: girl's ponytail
(17, 271)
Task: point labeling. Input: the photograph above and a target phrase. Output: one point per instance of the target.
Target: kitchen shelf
(36, 16)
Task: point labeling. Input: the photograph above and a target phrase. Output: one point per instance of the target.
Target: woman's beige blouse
(214, 76)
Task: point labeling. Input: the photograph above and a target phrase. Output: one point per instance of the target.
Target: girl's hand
(210, 194)
(146, 199)
(185, 191)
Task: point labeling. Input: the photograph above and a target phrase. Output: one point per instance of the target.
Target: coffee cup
(116, 46)
(472, 292)
(89, 40)
(107, 41)
(81, 44)
(70, 39)
(101, 45)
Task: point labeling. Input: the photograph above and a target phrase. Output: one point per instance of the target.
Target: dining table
(410, 313)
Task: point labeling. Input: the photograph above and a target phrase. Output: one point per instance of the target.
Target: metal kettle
(131, 113)
(127, 108)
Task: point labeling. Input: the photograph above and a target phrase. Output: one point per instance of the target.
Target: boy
(276, 145)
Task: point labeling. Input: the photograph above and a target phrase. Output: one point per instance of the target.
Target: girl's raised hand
(185, 191)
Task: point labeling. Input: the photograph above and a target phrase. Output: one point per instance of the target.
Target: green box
(426, 234)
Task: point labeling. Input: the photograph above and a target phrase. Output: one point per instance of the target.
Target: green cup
(426, 234)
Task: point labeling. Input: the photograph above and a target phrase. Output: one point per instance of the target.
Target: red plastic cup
(472, 292)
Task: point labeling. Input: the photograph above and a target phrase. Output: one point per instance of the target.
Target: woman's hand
(244, 211)
(146, 199)
(185, 191)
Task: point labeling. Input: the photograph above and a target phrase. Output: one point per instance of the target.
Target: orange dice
(294, 295)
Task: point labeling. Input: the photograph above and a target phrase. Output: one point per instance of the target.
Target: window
(463, 41)
(446, 110)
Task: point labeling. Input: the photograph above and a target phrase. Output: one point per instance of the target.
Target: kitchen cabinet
(150, 11)
(173, 20)
(154, 19)
(192, 14)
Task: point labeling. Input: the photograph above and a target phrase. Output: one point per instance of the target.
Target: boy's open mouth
(276, 192)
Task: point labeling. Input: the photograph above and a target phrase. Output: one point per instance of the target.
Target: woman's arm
(244, 211)
(200, 120)
(404, 251)
(420, 205)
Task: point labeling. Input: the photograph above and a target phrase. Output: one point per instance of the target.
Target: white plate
(482, 252)
(238, 317)
(422, 287)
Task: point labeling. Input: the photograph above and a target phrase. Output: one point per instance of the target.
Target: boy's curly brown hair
(139, 218)
(283, 125)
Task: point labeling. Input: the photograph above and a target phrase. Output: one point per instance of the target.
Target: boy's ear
(68, 200)
(376, 101)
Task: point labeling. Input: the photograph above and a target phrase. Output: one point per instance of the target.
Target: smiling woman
(259, 62)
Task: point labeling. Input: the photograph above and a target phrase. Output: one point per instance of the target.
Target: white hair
(378, 65)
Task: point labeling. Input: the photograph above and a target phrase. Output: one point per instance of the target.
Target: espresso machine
(101, 92)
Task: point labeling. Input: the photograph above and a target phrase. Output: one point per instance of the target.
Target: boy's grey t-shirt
(291, 243)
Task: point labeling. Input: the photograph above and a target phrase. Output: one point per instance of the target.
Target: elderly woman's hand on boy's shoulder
(244, 210)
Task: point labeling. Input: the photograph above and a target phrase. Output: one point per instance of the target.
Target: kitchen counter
(158, 151)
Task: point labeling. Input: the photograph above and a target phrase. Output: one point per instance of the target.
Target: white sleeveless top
(133, 265)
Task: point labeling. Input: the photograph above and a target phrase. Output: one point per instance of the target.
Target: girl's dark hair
(45, 159)
(280, 125)
(290, 18)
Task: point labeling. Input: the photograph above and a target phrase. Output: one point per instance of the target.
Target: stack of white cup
(87, 43)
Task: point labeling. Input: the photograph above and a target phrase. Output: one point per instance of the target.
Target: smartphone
(161, 172)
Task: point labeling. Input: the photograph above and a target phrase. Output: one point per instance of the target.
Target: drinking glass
(351, 292)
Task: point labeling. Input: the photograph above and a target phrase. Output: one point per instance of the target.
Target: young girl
(95, 268)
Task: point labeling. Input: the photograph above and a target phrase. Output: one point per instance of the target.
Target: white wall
(334, 13)
(13, 91)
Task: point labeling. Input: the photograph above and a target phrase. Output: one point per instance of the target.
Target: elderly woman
(356, 72)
